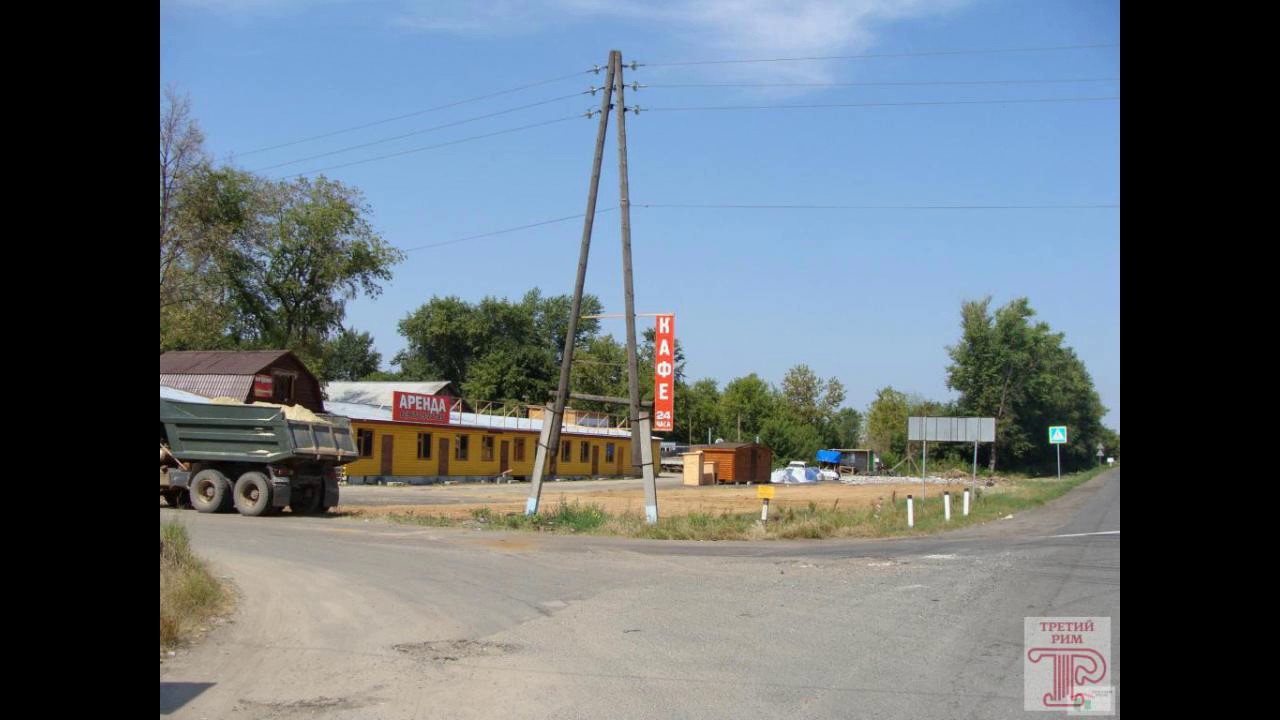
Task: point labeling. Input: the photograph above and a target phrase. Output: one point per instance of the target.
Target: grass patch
(809, 521)
(189, 594)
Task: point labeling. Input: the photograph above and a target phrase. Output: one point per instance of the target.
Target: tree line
(247, 263)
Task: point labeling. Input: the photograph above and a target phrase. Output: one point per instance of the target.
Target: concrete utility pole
(553, 419)
(624, 211)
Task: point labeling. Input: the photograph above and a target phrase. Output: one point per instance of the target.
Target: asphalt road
(350, 619)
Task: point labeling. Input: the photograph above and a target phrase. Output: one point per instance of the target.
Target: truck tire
(211, 491)
(305, 500)
(253, 494)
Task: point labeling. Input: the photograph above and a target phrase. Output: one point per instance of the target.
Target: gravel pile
(882, 480)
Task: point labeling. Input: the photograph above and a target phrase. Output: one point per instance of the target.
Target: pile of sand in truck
(293, 412)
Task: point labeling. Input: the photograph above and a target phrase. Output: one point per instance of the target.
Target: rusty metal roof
(211, 386)
(218, 362)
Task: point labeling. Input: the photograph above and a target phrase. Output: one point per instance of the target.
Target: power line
(438, 145)
(423, 131)
(416, 113)
(762, 206)
(878, 84)
(774, 206)
(929, 53)
(877, 104)
(505, 230)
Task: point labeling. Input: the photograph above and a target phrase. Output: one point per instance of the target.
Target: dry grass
(716, 513)
(189, 595)
(678, 501)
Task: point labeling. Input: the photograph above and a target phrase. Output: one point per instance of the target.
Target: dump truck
(253, 458)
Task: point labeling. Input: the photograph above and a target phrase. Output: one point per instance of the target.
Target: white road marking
(1102, 532)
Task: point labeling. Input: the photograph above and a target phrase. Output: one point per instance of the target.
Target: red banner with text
(418, 408)
(664, 373)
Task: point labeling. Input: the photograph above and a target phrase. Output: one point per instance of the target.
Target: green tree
(511, 372)
(790, 438)
(599, 368)
(747, 402)
(306, 249)
(192, 314)
(1020, 372)
(887, 425)
(696, 409)
(551, 319)
(844, 430)
(349, 355)
(812, 401)
(438, 339)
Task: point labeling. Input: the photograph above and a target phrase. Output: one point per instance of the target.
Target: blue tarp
(829, 456)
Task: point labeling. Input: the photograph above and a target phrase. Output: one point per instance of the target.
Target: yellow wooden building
(474, 446)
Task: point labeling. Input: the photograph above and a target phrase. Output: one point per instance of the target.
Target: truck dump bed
(252, 433)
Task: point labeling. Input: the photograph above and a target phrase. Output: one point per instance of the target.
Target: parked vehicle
(253, 458)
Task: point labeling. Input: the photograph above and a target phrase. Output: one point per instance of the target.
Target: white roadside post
(911, 513)
(946, 505)
(966, 502)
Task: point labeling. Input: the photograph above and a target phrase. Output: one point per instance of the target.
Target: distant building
(738, 462)
(468, 441)
(274, 376)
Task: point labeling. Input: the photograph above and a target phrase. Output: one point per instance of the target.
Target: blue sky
(869, 296)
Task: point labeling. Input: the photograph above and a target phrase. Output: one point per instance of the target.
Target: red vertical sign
(664, 373)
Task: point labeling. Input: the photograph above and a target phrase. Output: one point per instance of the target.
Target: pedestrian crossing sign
(1058, 435)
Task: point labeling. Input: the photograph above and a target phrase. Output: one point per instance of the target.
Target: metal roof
(359, 411)
(381, 393)
(211, 386)
(723, 446)
(168, 393)
(218, 362)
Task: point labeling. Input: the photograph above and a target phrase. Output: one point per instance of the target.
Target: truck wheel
(305, 500)
(211, 491)
(253, 494)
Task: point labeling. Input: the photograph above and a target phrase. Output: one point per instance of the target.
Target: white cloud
(691, 29)
(702, 28)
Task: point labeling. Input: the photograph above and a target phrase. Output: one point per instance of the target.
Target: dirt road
(354, 619)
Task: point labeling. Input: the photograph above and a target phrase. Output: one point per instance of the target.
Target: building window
(424, 446)
(565, 450)
(282, 388)
(519, 449)
(464, 443)
(364, 440)
(608, 452)
(486, 448)
(584, 454)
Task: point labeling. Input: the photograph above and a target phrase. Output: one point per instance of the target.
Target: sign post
(1058, 438)
(764, 492)
(949, 429)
